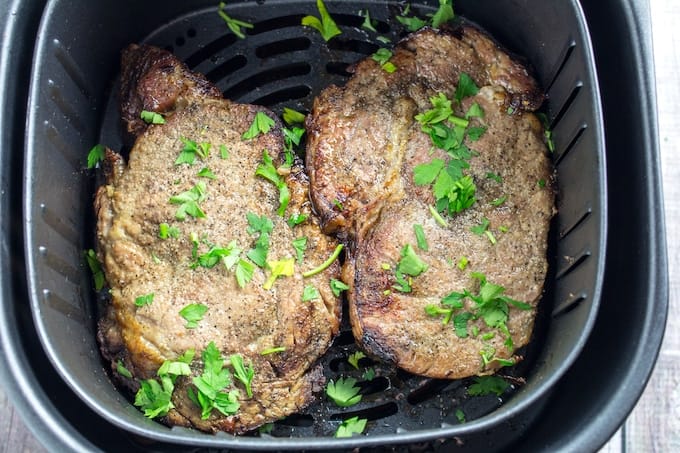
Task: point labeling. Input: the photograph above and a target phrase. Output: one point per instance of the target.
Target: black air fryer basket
(49, 317)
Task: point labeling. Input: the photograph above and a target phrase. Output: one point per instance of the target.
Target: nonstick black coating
(72, 107)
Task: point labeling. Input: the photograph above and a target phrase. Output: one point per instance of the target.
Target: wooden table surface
(654, 424)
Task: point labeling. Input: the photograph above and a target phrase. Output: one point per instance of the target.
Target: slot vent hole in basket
(571, 45)
(560, 154)
(275, 24)
(227, 68)
(301, 420)
(338, 68)
(431, 388)
(256, 81)
(352, 45)
(370, 413)
(281, 96)
(567, 104)
(573, 262)
(211, 49)
(569, 305)
(564, 233)
(283, 46)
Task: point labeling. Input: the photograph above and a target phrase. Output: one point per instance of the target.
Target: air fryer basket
(72, 106)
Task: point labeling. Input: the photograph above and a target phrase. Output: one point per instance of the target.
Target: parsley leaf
(300, 245)
(189, 202)
(444, 13)
(292, 117)
(244, 272)
(191, 150)
(310, 293)
(368, 22)
(228, 255)
(343, 392)
(466, 87)
(326, 25)
(193, 313)
(152, 117)
(412, 23)
(410, 263)
(155, 398)
(234, 25)
(353, 359)
(146, 299)
(120, 369)
(281, 268)
(95, 156)
(486, 385)
(264, 227)
(296, 219)
(337, 286)
(267, 170)
(166, 231)
(96, 269)
(354, 425)
(261, 124)
(382, 56)
(273, 350)
(205, 172)
(243, 374)
(421, 240)
(224, 152)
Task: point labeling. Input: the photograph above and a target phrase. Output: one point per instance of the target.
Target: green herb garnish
(421, 240)
(267, 170)
(211, 385)
(326, 25)
(351, 426)
(323, 266)
(234, 25)
(310, 292)
(343, 392)
(382, 56)
(337, 287)
(193, 313)
(487, 385)
(261, 124)
(243, 374)
(354, 358)
(300, 245)
(191, 150)
(120, 369)
(152, 117)
(166, 231)
(189, 202)
(96, 269)
(264, 227)
(280, 268)
(146, 299)
(95, 156)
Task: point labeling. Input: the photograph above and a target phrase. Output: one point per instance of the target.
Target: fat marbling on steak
(273, 330)
(364, 143)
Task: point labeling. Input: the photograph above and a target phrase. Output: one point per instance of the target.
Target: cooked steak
(447, 318)
(173, 235)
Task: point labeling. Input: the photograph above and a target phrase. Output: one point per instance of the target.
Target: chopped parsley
(354, 358)
(547, 133)
(264, 227)
(412, 23)
(410, 265)
(310, 293)
(453, 191)
(267, 170)
(487, 385)
(300, 245)
(193, 313)
(343, 392)
(205, 172)
(189, 202)
(244, 272)
(292, 117)
(234, 25)
(146, 299)
(489, 304)
(460, 415)
(280, 268)
(152, 117)
(494, 177)
(155, 398)
(326, 25)
(96, 269)
(443, 14)
(368, 22)
(166, 231)
(296, 219)
(462, 263)
(338, 286)
(483, 229)
(211, 385)
(95, 156)
(351, 426)
(228, 255)
(243, 374)
(191, 150)
(368, 375)
(261, 124)
(291, 141)
(421, 240)
(382, 56)
(120, 369)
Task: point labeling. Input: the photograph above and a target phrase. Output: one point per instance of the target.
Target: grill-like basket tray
(73, 106)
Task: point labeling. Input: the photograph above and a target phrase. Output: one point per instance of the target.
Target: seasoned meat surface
(249, 320)
(363, 146)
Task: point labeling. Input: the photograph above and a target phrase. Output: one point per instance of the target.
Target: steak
(472, 302)
(173, 235)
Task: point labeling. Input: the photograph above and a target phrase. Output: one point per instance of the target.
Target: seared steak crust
(362, 149)
(132, 205)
